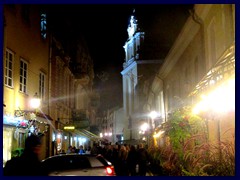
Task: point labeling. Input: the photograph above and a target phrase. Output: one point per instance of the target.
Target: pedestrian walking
(142, 160)
(115, 159)
(132, 161)
(94, 149)
(122, 156)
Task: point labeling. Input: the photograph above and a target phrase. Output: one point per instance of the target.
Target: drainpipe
(199, 21)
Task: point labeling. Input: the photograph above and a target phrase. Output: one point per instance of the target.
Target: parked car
(78, 165)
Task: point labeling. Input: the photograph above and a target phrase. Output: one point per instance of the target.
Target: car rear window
(102, 160)
(95, 162)
(66, 162)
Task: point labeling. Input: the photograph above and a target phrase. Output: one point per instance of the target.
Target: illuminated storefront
(16, 129)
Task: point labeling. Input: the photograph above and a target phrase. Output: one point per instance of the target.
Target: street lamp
(35, 101)
(32, 127)
(144, 128)
(152, 115)
(219, 101)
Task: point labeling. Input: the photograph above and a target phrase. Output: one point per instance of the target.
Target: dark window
(25, 13)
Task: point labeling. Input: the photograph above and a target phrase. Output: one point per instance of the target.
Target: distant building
(111, 125)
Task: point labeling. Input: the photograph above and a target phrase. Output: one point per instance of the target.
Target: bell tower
(130, 75)
(132, 46)
(137, 69)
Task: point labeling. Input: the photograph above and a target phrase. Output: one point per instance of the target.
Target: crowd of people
(128, 160)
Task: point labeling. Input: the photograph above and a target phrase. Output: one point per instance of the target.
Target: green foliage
(187, 151)
(17, 152)
(182, 126)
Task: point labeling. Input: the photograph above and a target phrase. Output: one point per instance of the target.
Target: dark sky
(104, 28)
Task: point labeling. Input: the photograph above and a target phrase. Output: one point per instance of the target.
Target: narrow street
(146, 84)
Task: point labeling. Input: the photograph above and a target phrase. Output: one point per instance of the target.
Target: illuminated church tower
(135, 74)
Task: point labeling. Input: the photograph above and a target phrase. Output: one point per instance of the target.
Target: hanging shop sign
(69, 127)
(15, 121)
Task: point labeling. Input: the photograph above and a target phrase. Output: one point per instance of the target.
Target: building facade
(70, 97)
(201, 59)
(36, 63)
(26, 73)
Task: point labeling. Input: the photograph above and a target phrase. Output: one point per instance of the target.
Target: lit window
(23, 76)
(44, 25)
(41, 85)
(8, 79)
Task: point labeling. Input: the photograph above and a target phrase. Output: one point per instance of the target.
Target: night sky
(104, 28)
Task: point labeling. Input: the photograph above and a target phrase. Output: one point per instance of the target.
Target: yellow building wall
(24, 40)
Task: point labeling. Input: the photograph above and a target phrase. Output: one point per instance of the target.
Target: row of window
(23, 74)
(26, 13)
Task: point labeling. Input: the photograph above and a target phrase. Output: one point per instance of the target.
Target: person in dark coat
(132, 161)
(122, 158)
(28, 164)
(142, 160)
(115, 159)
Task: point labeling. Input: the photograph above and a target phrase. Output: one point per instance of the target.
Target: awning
(86, 133)
(30, 115)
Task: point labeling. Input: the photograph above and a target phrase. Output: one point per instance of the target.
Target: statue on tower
(132, 27)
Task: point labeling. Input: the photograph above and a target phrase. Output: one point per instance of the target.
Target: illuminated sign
(69, 127)
(15, 121)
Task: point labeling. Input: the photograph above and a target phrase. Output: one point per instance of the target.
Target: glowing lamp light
(35, 102)
(153, 114)
(221, 100)
(157, 135)
(59, 136)
(144, 127)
